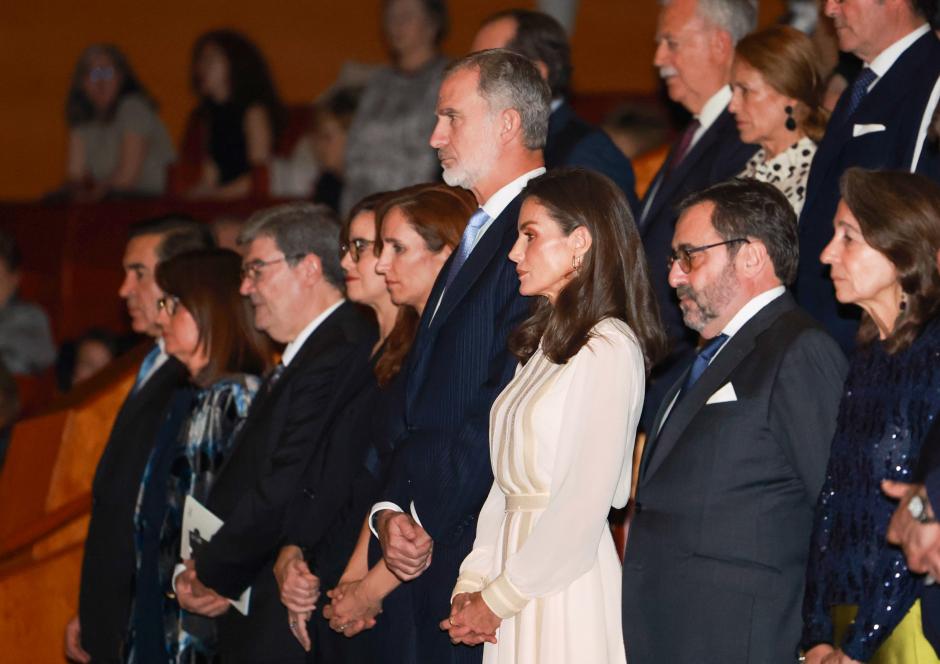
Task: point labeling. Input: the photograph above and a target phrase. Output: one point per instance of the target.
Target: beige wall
(306, 42)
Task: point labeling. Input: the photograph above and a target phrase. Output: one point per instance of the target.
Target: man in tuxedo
(880, 122)
(492, 115)
(99, 632)
(570, 141)
(695, 49)
(728, 482)
(292, 275)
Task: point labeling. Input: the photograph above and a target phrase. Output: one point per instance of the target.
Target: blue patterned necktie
(144, 372)
(859, 89)
(702, 360)
(467, 241)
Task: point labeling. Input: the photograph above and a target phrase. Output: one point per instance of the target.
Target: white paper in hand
(199, 526)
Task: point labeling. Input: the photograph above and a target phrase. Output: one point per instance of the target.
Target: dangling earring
(903, 305)
(576, 263)
(790, 124)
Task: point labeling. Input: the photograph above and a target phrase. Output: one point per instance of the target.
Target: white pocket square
(862, 129)
(723, 395)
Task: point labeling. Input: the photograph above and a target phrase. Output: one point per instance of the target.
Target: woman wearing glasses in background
(206, 325)
(394, 247)
(117, 142)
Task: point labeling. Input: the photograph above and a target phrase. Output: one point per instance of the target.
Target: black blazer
(897, 103)
(458, 364)
(717, 549)
(718, 155)
(572, 141)
(109, 565)
(282, 433)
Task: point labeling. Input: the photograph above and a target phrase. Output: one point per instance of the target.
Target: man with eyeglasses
(292, 276)
(99, 632)
(737, 453)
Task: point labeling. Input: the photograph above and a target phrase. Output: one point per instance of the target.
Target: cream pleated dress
(561, 445)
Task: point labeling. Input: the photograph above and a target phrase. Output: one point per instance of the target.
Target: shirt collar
(886, 59)
(556, 104)
(498, 202)
(749, 310)
(714, 107)
(291, 350)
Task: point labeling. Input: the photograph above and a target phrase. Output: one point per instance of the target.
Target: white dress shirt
(291, 350)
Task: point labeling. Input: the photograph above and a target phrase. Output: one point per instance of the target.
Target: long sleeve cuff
(503, 598)
(468, 582)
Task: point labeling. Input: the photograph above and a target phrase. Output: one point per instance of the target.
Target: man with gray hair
(492, 117)
(292, 276)
(695, 49)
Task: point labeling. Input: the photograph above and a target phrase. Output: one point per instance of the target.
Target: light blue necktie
(467, 242)
(144, 372)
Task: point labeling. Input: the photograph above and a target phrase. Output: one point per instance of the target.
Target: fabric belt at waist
(527, 502)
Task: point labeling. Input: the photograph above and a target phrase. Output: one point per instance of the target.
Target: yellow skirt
(906, 644)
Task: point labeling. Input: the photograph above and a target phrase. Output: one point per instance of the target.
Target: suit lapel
(689, 405)
(485, 252)
(669, 184)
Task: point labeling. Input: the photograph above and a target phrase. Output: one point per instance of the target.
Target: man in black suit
(728, 482)
(293, 278)
(695, 49)
(99, 632)
(570, 141)
(880, 122)
(492, 115)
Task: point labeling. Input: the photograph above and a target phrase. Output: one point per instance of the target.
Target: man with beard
(492, 115)
(729, 479)
(695, 42)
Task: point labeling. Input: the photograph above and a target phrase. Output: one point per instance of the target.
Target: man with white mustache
(695, 48)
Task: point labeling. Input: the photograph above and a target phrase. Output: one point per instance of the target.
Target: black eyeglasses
(683, 255)
(354, 248)
(168, 303)
(252, 270)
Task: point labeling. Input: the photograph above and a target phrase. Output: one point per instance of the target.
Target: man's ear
(311, 267)
(543, 69)
(510, 125)
(721, 46)
(753, 257)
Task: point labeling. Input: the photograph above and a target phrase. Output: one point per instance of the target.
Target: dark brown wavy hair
(206, 282)
(438, 214)
(787, 60)
(612, 282)
(899, 216)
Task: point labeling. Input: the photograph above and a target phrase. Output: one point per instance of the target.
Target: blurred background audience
(387, 146)
(26, 345)
(118, 145)
(239, 117)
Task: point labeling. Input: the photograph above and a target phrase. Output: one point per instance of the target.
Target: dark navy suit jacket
(718, 155)
(897, 103)
(573, 142)
(929, 474)
(458, 364)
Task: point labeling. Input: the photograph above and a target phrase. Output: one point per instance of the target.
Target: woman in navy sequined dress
(207, 325)
(861, 599)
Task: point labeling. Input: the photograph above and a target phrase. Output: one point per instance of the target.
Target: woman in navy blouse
(861, 599)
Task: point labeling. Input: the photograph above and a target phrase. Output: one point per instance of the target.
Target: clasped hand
(351, 610)
(471, 621)
(197, 598)
(300, 590)
(406, 546)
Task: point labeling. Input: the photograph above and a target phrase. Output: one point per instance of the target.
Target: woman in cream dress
(542, 583)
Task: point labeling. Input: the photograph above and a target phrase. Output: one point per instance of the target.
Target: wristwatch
(917, 506)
